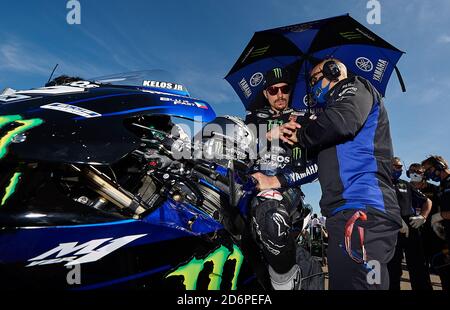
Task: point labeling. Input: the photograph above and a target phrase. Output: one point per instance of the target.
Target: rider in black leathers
(279, 170)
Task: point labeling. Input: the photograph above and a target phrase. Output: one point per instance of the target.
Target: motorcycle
(94, 196)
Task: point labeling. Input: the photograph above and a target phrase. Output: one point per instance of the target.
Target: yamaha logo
(307, 101)
(364, 64)
(256, 79)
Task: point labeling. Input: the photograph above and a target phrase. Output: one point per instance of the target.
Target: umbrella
(298, 47)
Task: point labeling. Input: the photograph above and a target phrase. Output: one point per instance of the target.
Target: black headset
(331, 71)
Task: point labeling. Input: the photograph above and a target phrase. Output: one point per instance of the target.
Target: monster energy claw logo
(277, 72)
(11, 188)
(296, 153)
(191, 270)
(259, 51)
(274, 123)
(22, 125)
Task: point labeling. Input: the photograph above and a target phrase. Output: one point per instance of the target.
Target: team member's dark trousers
(415, 260)
(380, 236)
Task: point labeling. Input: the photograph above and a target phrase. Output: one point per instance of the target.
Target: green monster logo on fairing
(191, 270)
(24, 125)
(11, 188)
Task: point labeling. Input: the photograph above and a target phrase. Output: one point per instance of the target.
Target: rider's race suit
(276, 213)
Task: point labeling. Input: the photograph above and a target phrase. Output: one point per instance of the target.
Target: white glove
(437, 217)
(404, 229)
(417, 221)
(439, 230)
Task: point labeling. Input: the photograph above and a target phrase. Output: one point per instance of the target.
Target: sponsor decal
(84, 84)
(365, 34)
(256, 79)
(283, 227)
(351, 35)
(380, 68)
(299, 28)
(201, 105)
(165, 85)
(73, 253)
(296, 153)
(271, 194)
(310, 170)
(262, 115)
(11, 188)
(247, 54)
(19, 127)
(192, 269)
(185, 102)
(278, 73)
(53, 90)
(307, 101)
(13, 97)
(364, 64)
(348, 91)
(72, 109)
(274, 123)
(245, 88)
(259, 51)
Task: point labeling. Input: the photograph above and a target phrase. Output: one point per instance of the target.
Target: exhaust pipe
(109, 190)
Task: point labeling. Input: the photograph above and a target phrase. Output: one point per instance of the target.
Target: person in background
(409, 238)
(436, 169)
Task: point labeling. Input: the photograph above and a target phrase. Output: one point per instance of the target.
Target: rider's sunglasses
(273, 90)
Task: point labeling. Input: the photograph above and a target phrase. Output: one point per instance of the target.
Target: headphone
(331, 71)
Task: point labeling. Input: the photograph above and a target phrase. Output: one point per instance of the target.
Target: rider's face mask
(318, 93)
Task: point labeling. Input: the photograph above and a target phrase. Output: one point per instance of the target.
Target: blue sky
(199, 41)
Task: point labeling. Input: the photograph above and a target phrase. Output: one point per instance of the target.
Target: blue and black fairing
(46, 131)
(84, 122)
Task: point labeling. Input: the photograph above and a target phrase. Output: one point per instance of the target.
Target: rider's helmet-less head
(277, 88)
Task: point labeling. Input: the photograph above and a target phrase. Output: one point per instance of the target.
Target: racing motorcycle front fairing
(85, 205)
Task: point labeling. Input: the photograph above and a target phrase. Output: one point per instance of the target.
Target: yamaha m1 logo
(73, 253)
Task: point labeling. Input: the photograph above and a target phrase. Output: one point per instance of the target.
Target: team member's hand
(404, 229)
(417, 221)
(288, 132)
(266, 182)
(436, 218)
